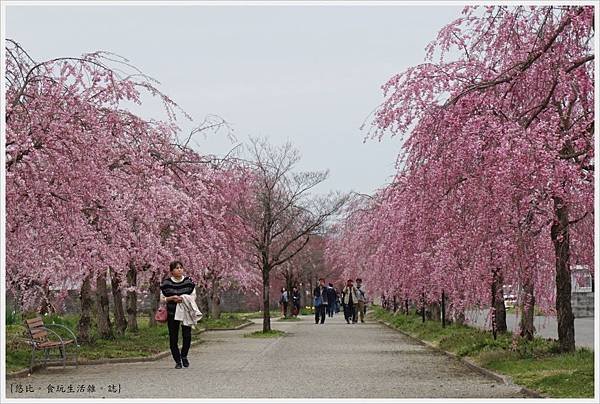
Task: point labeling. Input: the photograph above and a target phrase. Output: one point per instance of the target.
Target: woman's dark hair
(175, 264)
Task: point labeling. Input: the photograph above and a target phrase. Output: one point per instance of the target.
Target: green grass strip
(536, 364)
(268, 334)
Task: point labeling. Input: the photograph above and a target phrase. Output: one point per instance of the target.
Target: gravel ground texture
(331, 360)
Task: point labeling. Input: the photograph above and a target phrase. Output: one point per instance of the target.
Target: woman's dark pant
(285, 306)
(330, 309)
(174, 338)
(349, 312)
(320, 312)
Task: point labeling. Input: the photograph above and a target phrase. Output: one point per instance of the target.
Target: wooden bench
(39, 340)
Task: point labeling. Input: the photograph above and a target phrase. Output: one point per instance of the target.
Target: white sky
(310, 74)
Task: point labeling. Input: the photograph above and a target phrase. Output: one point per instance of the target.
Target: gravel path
(334, 360)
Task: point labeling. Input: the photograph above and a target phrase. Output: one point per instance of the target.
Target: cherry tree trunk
(118, 311)
(527, 311)
(84, 327)
(215, 300)
(498, 307)
(266, 300)
(132, 299)
(289, 285)
(202, 300)
(105, 329)
(459, 317)
(443, 308)
(154, 296)
(435, 311)
(564, 313)
(45, 306)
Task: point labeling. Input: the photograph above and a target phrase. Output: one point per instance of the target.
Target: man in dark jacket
(331, 299)
(320, 296)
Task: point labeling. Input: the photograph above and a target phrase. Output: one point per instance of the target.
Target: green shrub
(307, 311)
(12, 316)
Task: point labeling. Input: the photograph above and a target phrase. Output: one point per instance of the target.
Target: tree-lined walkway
(334, 360)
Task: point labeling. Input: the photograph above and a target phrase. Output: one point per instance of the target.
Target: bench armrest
(66, 328)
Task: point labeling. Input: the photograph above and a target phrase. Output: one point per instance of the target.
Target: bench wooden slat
(54, 344)
(33, 322)
(37, 328)
(40, 334)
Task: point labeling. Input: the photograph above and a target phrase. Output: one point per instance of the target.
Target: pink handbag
(161, 314)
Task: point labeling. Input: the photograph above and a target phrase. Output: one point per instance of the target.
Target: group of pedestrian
(327, 301)
(178, 295)
(284, 301)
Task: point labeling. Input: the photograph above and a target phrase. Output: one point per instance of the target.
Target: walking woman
(171, 290)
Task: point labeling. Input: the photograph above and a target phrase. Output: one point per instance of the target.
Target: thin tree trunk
(288, 286)
(154, 296)
(266, 302)
(435, 312)
(215, 300)
(102, 307)
(84, 327)
(46, 306)
(132, 324)
(498, 306)
(527, 311)
(443, 304)
(560, 237)
(202, 299)
(120, 320)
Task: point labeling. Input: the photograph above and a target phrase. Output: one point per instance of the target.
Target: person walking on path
(349, 299)
(362, 301)
(283, 301)
(295, 301)
(331, 299)
(320, 295)
(171, 290)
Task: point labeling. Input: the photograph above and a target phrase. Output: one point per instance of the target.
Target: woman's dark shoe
(178, 366)
(185, 362)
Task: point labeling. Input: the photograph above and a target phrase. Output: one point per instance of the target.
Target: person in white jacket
(187, 311)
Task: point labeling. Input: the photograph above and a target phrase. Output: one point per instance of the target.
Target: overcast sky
(309, 74)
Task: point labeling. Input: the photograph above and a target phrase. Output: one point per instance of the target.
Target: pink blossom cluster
(91, 186)
(497, 137)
